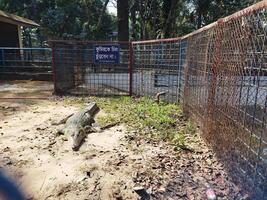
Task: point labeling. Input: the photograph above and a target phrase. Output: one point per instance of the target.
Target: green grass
(155, 121)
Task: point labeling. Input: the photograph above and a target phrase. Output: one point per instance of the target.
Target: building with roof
(11, 29)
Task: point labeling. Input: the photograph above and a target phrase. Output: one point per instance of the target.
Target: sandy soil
(25, 89)
(44, 164)
(108, 165)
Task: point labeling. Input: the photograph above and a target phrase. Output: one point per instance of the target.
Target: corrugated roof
(14, 19)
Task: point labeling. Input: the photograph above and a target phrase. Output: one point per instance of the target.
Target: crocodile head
(92, 109)
(76, 137)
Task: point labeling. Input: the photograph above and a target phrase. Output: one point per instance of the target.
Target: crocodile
(79, 124)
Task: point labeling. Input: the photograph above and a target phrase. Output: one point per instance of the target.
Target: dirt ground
(109, 165)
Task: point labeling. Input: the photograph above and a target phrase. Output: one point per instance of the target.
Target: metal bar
(15, 48)
(131, 61)
(87, 42)
(54, 70)
(157, 41)
(3, 57)
(22, 98)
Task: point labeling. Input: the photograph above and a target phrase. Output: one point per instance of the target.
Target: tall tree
(201, 9)
(149, 19)
(169, 8)
(207, 11)
(76, 19)
(102, 13)
(134, 30)
(123, 20)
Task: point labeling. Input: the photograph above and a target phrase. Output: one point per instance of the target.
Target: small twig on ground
(109, 125)
(43, 183)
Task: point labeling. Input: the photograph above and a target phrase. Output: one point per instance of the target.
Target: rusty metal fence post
(217, 60)
(53, 70)
(186, 82)
(131, 62)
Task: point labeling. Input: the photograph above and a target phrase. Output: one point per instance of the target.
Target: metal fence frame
(98, 79)
(27, 61)
(21, 57)
(158, 68)
(225, 90)
(218, 74)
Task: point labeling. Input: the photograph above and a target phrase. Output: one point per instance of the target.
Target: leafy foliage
(172, 18)
(149, 19)
(207, 11)
(76, 19)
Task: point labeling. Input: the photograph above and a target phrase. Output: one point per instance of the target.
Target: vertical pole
(186, 70)
(3, 56)
(53, 69)
(217, 60)
(131, 69)
(179, 71)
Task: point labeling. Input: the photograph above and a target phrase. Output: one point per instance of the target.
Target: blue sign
(106, 54)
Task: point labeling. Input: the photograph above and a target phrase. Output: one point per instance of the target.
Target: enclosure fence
(15, 57)
(25, 63)
(226, 88)
(218, 73)
(76, 72)
(159, 68)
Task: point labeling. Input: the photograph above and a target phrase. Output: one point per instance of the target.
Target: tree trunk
(167, 30)
(199, 20)
(102, 14)
(141, 17)
(87, 10)
(154, 21)
(133, 20)
(123, 21)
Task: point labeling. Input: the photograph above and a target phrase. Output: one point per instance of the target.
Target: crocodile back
(84, 117)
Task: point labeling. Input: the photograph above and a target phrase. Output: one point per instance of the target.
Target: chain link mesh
(158, 68)
(75, 71)
(218, 73)
(222, 76)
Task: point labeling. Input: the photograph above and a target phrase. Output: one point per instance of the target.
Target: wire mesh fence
(218, 73)
(76, 71)
(25, 63)
(24, 59)
(226, 88)
(14, 57)
(158, 68)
